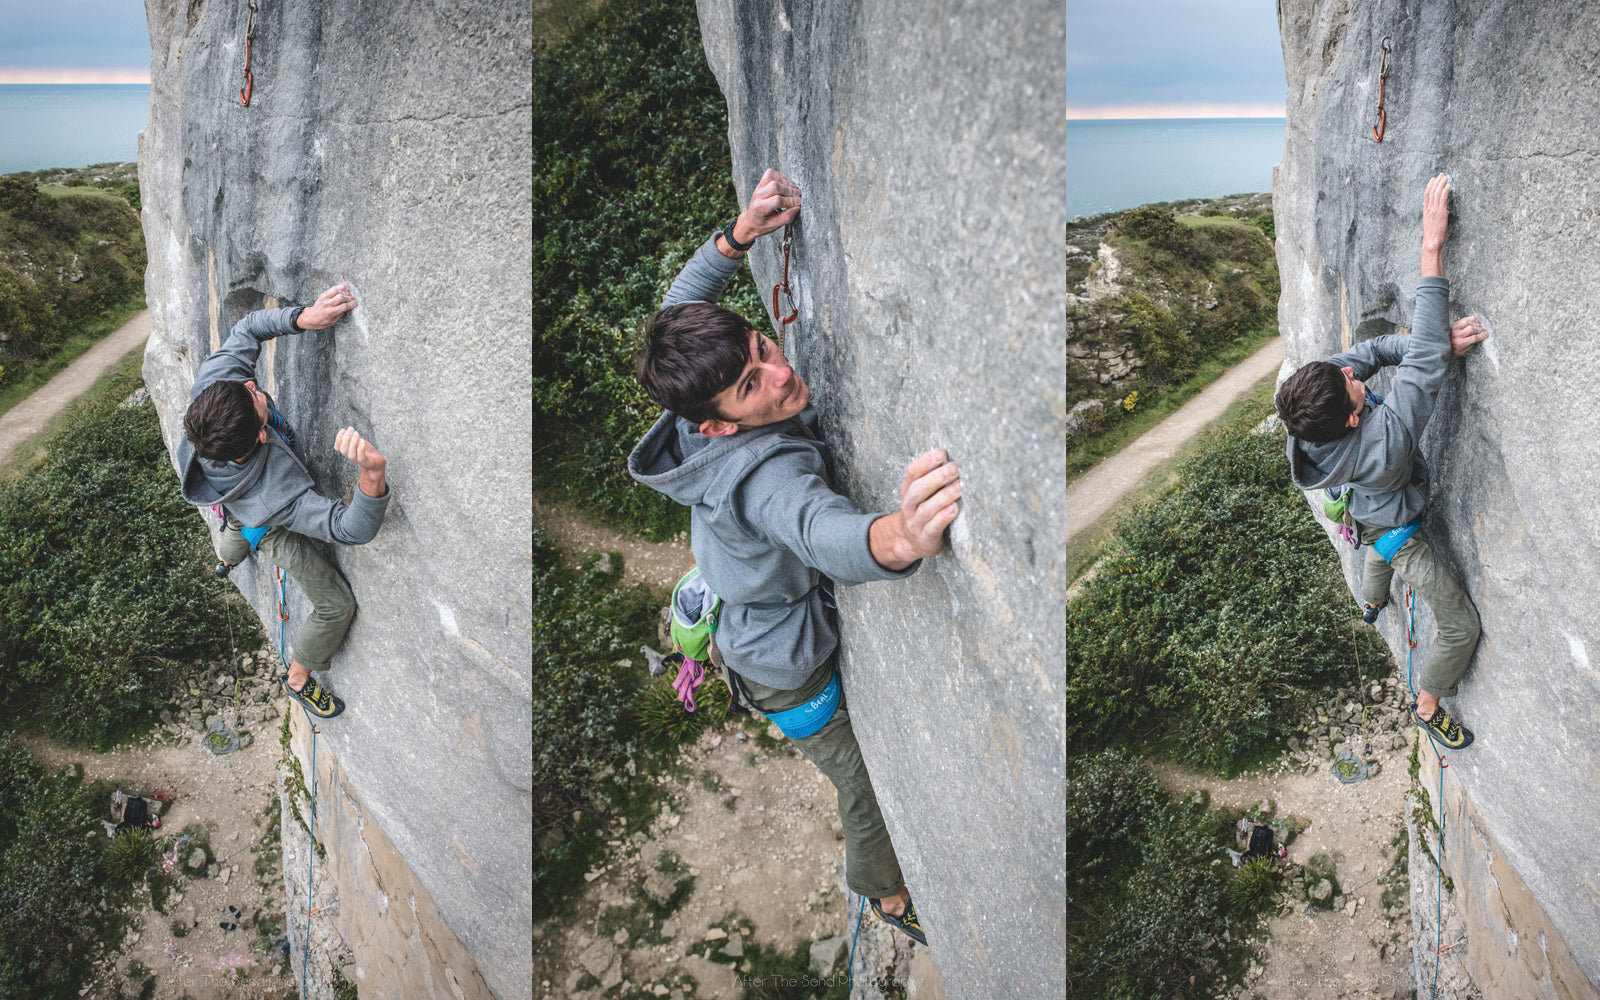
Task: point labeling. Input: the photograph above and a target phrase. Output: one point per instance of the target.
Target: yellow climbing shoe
(1442, 729)
(316, 699)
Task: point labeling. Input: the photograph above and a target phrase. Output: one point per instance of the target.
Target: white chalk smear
(1488, 345)
(447, 618)
(1580, 654)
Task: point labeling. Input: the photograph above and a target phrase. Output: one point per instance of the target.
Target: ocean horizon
(51, 125)
(1117, 164)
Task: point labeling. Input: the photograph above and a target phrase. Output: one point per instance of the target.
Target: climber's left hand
(325, 312)
(774, 204)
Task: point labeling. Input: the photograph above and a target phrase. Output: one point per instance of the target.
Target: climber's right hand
(1465, 334)
(354, 448)
(773, 205)
(325, 312)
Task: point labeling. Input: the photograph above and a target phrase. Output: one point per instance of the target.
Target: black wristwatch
(727, 234)
(294, 318)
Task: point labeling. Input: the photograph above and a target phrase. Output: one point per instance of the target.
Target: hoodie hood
(1388, 480)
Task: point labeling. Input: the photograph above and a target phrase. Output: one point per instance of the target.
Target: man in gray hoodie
(1340, 434)
(238, 456)
(739, 445)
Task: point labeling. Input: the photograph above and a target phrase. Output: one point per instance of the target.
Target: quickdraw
(249, 36)
(777, 316)
(1383, 75)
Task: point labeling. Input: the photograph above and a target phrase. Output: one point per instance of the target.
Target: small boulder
(1323, 892)
(197, 860)
(825, 954)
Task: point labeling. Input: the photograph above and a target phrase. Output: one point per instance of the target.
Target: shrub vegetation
(631, 174)
(105, 586)
(60, 878)
(1216, 609)
(1146, 907)
(599, 719)
(67, 256)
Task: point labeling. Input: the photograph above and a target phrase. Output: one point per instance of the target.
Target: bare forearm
(1433, 261)
(373, 483)
(887, 539)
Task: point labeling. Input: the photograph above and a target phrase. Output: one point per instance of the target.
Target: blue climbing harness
(1391, 541)
(803, 720)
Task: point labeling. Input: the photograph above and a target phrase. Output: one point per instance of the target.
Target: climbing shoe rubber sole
(1443, 729)
(315, 698)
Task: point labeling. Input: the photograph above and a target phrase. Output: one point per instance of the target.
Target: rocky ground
(747, 852)
(218, 933)
(1347, 937)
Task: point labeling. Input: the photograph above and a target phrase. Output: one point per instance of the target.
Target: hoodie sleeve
(704, 277)
(235, 360)
(1369, 356)
(787, 499)
(1416, 383)
(316, 516)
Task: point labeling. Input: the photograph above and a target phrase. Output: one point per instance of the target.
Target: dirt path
(1097, 490)
(28, 417)
(1359, 948)
(229, 806)
(576, 535)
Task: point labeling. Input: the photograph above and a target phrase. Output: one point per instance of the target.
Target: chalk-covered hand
(351, 445)
(325, 312)
(1465, 334)
(358, 450)
(773, 205)
(928, 503)
(1436, 213)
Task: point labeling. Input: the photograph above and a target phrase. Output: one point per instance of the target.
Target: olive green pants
(1457, 619)
(871, 868)
(333, 606)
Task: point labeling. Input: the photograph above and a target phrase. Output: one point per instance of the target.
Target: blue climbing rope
(1438, 883)
(311, 783)
(850, 967)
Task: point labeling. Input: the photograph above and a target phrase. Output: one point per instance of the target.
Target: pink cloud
(1218, 110)
(11, 74)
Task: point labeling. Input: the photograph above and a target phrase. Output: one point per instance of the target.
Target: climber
(238, 454)
(739, 445)
(1340, 433)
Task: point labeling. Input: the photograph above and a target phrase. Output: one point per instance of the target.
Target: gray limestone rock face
(927, 140)
(386, 147)
(1499, 96)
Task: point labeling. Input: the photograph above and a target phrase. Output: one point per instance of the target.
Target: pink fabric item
(1349, 535)
(690, 676)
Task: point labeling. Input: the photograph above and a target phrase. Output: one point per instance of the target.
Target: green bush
(105, 589)
(48, 877)
(1156, 226)
(631, 173)
(1145, 902)
(1216, 611)
(130, 855)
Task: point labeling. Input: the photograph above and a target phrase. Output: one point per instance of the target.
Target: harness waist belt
(803, 720)
(1390, 541)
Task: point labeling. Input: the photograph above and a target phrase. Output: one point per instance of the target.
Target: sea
(1119, 164)
(47, 125)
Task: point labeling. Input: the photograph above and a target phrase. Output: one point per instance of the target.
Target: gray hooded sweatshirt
(284, 494)
(1380, 458)
(766, 526)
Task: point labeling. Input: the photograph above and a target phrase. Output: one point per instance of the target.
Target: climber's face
(1358, 394)
(261, 406)
(768, 390)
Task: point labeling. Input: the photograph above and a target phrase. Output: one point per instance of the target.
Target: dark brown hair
(692, 352)
(1314, 402)
(222, 423)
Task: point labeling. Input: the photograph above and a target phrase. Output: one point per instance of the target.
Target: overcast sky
(1174, 59)
(74, 41)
